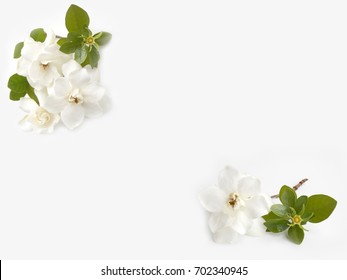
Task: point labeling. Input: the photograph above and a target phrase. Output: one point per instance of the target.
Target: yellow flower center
(297, 220)
(90, 40)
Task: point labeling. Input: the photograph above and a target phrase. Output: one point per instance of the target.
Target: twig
(295, 188)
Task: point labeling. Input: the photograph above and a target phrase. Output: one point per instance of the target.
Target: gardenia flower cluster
(65, 90)
(236, 206)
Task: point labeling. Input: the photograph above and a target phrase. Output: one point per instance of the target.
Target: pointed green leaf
(321, 205)
(32, 95)
(18, 50)
(276, 225)
(270, 216)
(69, 47)
(39, 35)
(102, 38)
(302, 200)
(81, 54)
(76, 19)
(281, 210)
(296, 234)
(287, 196)
(94, 57)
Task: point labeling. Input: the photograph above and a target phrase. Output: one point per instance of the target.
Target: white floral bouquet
(237, 207)
(57, 77)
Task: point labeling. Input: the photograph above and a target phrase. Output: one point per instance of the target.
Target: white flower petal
(70, 66)
(93, 73)
(248, 186)
(36, 71)
(72, 115)
(256, 207)
(225, 235)
(79, 79)
(31, 49)
(105, 103)
(228, 179)
(23, 66)
(61, 87)
(213, 199)
(51, 38)
(39, 77)
(93, 92)
(92, 110)
(41, 94)
(55, 104)
(257, 228)
(241, 222)
(27, 104)
(217, 221)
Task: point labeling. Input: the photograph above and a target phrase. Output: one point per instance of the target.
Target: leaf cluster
(80, 40)
(295, 212)
(18, 84)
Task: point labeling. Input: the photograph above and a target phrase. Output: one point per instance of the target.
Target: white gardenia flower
(236, 206)
(75, 95)
(41, 62)
(38, 119)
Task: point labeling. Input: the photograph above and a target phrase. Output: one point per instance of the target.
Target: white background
(195, 85)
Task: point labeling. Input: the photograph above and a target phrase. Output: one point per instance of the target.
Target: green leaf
(62, 41)
(300, 202)
(76, 19)
(276, 225)
(20, 87)
(39, 35)
(86, 32)
(75, 37)
(296, 234)
(94, 57)
(32, 95)
(81, 54)
(302, 211)
(69, 47)
(287, 196)
(18, 84)
(281, 210)
(270, 216)
(321, 205)
(102, 38)
(18, 50)
(307, 216)
(15, 96)
(292, 211)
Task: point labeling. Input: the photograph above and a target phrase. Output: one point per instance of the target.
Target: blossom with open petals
(41, 62)
(76, 95)
(236, 205)
(37, 119)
